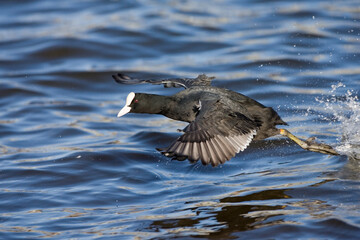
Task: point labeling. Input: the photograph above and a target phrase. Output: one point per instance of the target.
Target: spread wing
(215, 136)
(201, 80)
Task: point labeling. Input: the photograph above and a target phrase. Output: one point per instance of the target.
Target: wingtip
(115, 77)
(120, 78)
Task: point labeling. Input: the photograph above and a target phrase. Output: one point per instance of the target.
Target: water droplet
(345, 113)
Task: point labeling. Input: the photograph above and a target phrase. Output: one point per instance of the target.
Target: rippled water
(71, 169)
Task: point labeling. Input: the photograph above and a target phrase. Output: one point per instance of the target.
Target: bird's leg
(309, 144)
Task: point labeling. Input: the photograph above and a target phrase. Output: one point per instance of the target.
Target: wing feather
(214, 138)
(201, 80)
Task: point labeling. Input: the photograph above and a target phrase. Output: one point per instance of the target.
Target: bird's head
(139, 103)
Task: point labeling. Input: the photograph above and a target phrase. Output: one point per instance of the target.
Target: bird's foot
(310, 144)
(171, 155)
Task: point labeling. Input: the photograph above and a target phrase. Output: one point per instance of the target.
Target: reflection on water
(71, 170)
(351, 170)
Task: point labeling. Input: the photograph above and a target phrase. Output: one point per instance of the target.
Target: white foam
(346, 115)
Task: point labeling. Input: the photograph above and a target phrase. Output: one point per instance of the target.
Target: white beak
(127, 107)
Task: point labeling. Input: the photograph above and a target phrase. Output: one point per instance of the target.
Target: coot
(221, 122)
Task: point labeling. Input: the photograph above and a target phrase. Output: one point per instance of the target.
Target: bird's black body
(221, 122)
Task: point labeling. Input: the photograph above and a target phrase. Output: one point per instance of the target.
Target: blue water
(69, 169)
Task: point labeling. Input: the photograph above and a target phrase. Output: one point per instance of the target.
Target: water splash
(346, 115)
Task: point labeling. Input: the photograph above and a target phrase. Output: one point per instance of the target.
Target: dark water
(71, 169)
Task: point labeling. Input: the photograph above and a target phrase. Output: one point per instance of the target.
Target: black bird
(221, 122)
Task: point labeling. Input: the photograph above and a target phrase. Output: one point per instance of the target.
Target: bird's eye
(136, 100)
